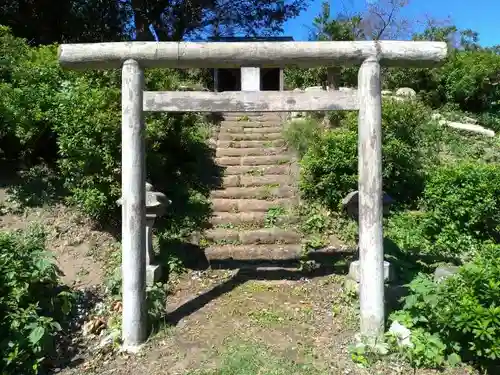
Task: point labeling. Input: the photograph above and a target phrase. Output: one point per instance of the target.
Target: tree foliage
(46, 22)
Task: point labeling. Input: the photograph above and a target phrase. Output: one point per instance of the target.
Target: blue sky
(482, 16)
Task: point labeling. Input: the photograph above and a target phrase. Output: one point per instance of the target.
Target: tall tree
(383, 20)
(49, 21)
(188, 19)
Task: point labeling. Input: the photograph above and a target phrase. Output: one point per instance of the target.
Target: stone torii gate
(133, 57)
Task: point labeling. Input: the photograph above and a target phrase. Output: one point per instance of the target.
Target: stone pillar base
(351, 282)
(153, 274)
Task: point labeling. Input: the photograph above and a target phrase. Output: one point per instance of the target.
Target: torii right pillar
(371, 250)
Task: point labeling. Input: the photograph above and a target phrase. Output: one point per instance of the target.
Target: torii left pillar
(134, 330)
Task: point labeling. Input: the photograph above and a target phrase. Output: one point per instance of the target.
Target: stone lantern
(156, 204)
(350, 204)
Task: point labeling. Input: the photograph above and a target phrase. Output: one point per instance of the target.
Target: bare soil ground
(245, 322)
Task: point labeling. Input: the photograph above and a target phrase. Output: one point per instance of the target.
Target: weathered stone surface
(247, 205)
(354, 271)
(314, 88)
(251, 124)
(469, 120)
(238, 218)
(261, 192)
(231, 181)
(443, 272)
(264, 180)
(228, 160)
(250, 144)
(268, 236)
(219, 235)
(406, 92)
(250, 136)
(257, 178)
(470, 127)
(252, 237)
(264, 130)
(245, 130)
(351, 203)
(257, 170)
(262, 151)
(153, 274)
(254, 252)
(265, 160)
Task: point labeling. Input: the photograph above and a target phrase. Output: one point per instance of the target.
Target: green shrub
(73, 121)
(87, 123)
(89, 140)
(301, 133)
(424, 81)
(464, 202)
(329, 167)
(28, 89)
(32, 304)
(491, 121)
(472, 79)
(461, 312)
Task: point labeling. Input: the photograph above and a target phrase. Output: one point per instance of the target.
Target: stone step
(251, 115)
(250, 144)
(245, 181)
(247, 205)
(253, 160)
(255, 237)
(249, 219)
(251, 124)
(249, 151)
(250, 136)
(283, 169)
(244, 130)
(259, 192)
(238, 218)
(264, 253)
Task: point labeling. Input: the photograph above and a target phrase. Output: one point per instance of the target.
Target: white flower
(401, 333)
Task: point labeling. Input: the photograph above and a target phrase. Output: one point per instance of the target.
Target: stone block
(443, 272)
(355, 271)
(406, 92)
(153, 274)
(350, 203)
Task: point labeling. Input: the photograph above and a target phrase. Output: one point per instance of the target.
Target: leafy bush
(32, 304)
(73, 121)
(329, 167)
(28, 88)
(491, 121)
(301, 133)
(308, 77)
(461, 313)
(464, 205)
(472, 79)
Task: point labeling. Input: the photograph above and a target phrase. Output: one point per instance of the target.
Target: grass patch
(252, 359)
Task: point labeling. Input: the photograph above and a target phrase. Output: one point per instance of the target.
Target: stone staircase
(252, 212)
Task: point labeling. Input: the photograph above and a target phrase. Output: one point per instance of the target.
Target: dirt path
(244, 322)
(78, 248)
(268, 322)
